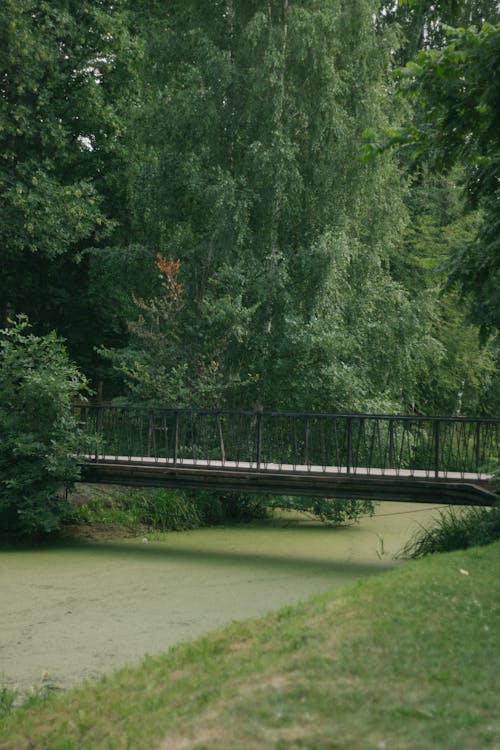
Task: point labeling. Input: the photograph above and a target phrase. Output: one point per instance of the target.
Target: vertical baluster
(478, 449)
(258, 438)
(349, 444)
(97, 430)
(150, 431)
(164, 430)
(436, 447)
(176, 435)
(391, 444)
(306, 442)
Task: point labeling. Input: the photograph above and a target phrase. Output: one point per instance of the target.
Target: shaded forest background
(287, 204)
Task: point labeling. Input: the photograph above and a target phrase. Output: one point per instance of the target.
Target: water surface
(81, 610)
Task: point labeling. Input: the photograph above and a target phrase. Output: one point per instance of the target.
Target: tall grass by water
(173, 510)
(455, 528)
(161, 510)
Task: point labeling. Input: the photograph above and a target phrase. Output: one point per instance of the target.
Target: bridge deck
(453, 487)
(199, 463)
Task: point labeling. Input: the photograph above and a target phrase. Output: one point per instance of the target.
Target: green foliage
(456, 97)
(248, 172)
(64, 78)
(227, 507)
(168, 510)
(39, 439)
(367, 345)
(454, 120)
(7, 700)
(48, 97)
(331, 511)
(456, 528)
(159, 510)
(464, 379)
(228, 137)
(164, 510)
(423, 23)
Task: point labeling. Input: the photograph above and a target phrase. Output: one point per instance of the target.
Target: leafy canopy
(39, 439)
(455, 96)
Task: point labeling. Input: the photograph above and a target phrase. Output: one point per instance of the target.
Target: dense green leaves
(227, 136)
(454, 92)
(249, 172)
(53, 112)
(466, 378)
(63, 72)
(183, 198)
(39, 440)
(423, 23)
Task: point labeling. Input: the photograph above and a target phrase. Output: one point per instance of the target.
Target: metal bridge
(361, 456)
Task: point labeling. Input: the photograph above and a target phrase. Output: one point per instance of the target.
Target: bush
(229, 507)
(332, 511)
(39, 438)
(163, 509)
(137, 510)
(174, 510)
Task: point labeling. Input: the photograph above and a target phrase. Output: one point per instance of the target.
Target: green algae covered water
(71, 613)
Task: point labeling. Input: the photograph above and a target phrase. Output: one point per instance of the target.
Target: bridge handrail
(279, 413)
(351, 442)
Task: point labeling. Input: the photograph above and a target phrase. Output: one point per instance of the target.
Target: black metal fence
(348, 443)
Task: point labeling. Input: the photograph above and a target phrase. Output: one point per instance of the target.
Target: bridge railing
(346, 443)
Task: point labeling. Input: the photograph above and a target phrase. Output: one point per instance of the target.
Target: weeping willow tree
(247, 174)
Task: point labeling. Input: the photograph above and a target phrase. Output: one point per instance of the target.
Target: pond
(82, 609)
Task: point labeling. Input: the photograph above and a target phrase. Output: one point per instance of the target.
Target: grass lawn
(407, 659)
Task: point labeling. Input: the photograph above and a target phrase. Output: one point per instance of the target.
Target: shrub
(232, 507)
(163, 509)
(39, 438)
(158, 510)
(175, 510)
(332, 511)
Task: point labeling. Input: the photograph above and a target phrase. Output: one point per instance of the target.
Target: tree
(423, 23)
(463, 382)
(248, 173)
(62, 81)
(455, 99)
(158, 367)
(39, 439)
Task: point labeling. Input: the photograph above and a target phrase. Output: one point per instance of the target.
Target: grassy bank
(409, 659)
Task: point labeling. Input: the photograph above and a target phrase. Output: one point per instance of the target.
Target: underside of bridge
(371, 486)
